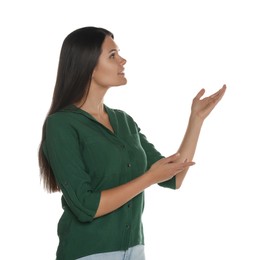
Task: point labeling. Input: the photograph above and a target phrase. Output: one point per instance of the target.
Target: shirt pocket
(104, 160)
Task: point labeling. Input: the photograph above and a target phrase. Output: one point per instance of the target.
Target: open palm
(203, 107)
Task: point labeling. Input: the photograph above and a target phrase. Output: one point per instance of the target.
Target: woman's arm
(160, 171)
(166, 168)
(200, 109)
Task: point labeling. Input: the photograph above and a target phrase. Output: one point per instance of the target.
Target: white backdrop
(173, 48)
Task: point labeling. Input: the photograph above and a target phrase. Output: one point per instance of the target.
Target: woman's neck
(94, 103)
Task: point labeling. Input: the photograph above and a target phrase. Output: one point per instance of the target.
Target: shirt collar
(111, 113)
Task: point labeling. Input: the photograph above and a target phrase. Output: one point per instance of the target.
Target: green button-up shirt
(86, 159)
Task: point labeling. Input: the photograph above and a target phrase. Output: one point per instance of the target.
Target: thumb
(200, 94)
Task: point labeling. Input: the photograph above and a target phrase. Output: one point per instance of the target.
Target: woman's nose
(123, 61)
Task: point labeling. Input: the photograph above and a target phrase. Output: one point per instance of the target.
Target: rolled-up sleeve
(63, 151)
(153, 156)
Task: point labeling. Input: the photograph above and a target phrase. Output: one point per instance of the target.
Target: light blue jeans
(133, 253)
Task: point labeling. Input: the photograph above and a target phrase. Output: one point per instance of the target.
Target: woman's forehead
(109, 45)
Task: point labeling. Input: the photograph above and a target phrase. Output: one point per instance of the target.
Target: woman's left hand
(203, 107)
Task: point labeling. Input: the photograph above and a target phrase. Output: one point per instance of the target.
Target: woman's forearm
(188, 146)
(200, 109)
(114, 198)
(160, 171)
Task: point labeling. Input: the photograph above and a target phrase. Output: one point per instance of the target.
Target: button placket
(129, 204)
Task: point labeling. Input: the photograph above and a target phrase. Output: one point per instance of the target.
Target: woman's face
(110, 68)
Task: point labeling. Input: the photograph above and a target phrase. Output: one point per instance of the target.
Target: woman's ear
(93, 73)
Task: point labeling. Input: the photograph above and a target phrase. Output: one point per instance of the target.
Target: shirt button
(129, 205)
(127, 226)
(129, 165)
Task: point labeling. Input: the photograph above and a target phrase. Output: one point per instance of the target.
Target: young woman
(97, 156)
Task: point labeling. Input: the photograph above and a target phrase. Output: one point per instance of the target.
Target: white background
(173, 48)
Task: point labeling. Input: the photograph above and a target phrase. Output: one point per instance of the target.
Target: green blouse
(87, 158)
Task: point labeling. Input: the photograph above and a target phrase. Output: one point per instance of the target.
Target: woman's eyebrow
(112, 50)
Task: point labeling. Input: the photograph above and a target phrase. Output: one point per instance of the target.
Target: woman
(97, 156)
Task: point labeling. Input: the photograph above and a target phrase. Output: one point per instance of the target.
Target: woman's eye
(112, 55)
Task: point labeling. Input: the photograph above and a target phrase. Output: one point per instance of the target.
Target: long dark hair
(79, 56)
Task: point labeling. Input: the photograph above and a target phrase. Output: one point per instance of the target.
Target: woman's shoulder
(66, 113)
(62, 118)
(121, 113)
(124, 119)
(59, 116)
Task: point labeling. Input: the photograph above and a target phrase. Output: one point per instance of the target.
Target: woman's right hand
(160, 171)
(166, 168)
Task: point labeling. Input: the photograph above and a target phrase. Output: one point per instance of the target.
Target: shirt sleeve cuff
(171, 184)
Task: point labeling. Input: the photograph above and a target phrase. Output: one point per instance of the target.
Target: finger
(219, 96)
(177, 168)
(171, 158)
(212, 102)
(223, 90)
(187, 164)
(220, 92)
(181, 165)
(215, 94)
(200, 93)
